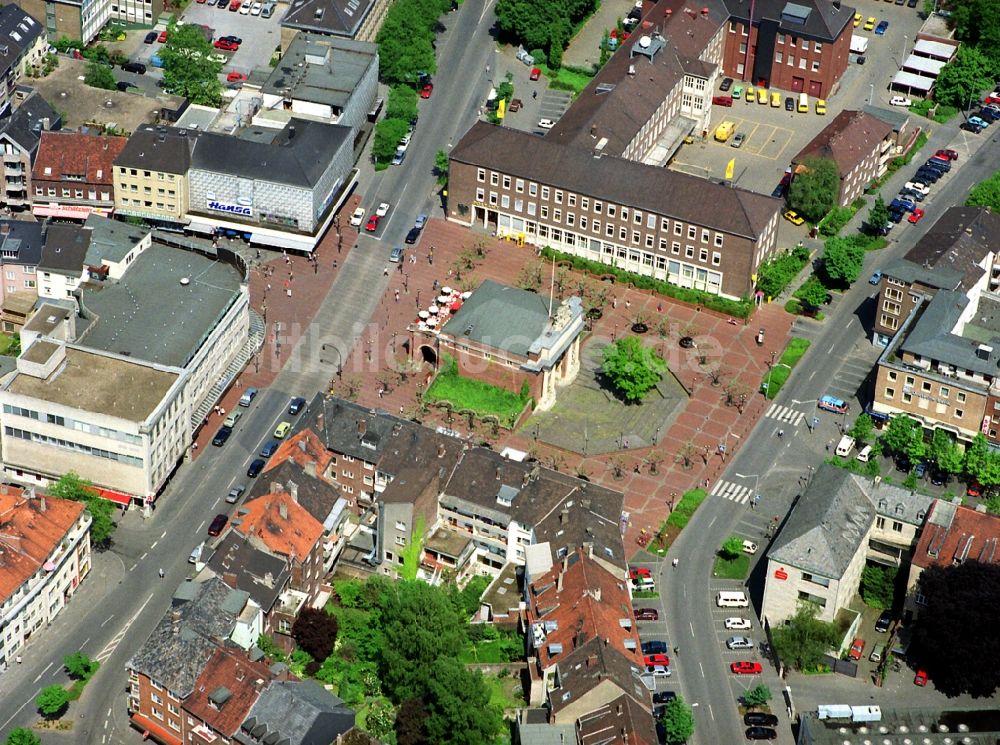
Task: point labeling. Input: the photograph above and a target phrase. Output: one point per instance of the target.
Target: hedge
(738, 308)
(773, 276)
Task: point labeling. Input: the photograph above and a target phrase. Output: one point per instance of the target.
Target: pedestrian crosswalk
(785, 414)
(732, 492)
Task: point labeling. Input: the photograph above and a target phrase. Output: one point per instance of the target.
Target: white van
(803, 103)
(732, 600)
(845, 446)
(865, 453)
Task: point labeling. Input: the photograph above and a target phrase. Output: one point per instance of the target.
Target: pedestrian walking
(628, 303)
(614, 303)
(397, 296)
(659, 307)
(675, 562)
(385, 271)
(161, 573)
(380, 392)
(399, 267)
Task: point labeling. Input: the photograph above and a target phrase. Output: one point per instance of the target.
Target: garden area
(466, 394)
(731, 561)
(782, 368)
(680, 515)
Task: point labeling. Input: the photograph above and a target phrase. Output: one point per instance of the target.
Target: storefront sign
(231, 209)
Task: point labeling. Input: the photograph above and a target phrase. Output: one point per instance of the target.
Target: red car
(920, 679)
(745, 667)
(974, 489)
(647, 614)
(225, 45)
(235, 77)
(991, 99)
(535, 74)
(915, 216)
(949, 154)
(218, 524)
(162, 38)
(427, 90)
(656, 659)
(639, 572)
(722, 100)
(857, 649)
(235, 6)
(372, 225)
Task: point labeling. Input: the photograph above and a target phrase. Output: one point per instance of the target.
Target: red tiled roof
(72, 154)
(283, 525)
(239, 676)
(30, 530)
(591, 602)
(304, 448)
(967, 536)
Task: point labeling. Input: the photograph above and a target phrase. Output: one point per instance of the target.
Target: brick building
(644, 219)
(799, 47)
(73, 175)
(859, 143)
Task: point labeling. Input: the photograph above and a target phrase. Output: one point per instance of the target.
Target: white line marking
(154, 545)
(143, 557)
(30, 699)
(107, 619)
(39, 676)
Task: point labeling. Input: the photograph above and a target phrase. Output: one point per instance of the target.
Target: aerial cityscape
(499, 372)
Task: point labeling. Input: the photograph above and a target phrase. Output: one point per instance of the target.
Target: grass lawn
(682, 513)
(775, 378)
(493, 651)
(567, 80)
(466, 393)
(505, 692)
(6, 342)
(737, 568)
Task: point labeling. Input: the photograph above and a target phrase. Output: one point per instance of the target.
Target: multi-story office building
(151, 174)
(79, 19)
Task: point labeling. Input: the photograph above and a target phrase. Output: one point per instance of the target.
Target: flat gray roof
(110, 240)
(99, 384)
(321, 69)
(152, 314)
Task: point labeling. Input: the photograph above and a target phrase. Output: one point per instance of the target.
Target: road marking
(710, 712)
(691, 626)
(154, 545)
(785, 414)
(200, 526)
(84, 643)
(733, 492)
(111, 646)
(107, 619)
(830, 351)
(143, 557)
(39, 676)
(700, 667)
(163, 534)
(132, 568)
(30, 699)
(813, 374)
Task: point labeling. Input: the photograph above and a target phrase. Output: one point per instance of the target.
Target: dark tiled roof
(500, 316)
(588, 666)
(931, 334)
(77, 155)
(196, 623)
(334, 17)
(659, 190)
(847, 140)
(166, 149)
(65, 248)
(623, 720)
(256, 572)
(24, 238)
(26, 124)
(825, 19)
(18, 27)
(959, 240)
(315, 495)
(295, 713)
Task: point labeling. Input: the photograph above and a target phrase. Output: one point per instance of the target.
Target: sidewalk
(585, 48)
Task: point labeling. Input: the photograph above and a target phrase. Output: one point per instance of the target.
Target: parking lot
(774, 135)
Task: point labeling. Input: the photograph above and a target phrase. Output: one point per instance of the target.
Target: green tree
(406, 40)
(631, 367)
(402, 103)
(944, 451)
(814, 191)
(459, 710)
(71, 486)
(863, 430)
(878, 586)
(380, 718)
(878, 215)
(410, 723)
(812, 293)
(804, 639)
(976, 455)
(22, 736)
(758, 695)
(732, 547)
(962, 80)
(677, 721)
(605, 51)
(99, 76)
(843, 260)
(78, 665)
(388, 133)
(52, 701)
(441, 165)
(189, 67)
(986, 193)
(904, 436)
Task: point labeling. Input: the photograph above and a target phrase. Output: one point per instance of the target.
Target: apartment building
(20, 251)
(800, 47)
(644, 219)
(953, 535)
(841, 522)
(151, 175)
(343, 19)
(956, 253)
(77, 19)
(73, 175)
(22, 47)
(20, 135)
(44, 556)
(859, 143)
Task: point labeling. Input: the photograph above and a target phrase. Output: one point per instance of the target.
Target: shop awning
(68, 211)
(151, 728)
(114, 496)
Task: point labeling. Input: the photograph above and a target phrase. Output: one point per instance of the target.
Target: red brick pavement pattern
(298, 286)
(705, 421)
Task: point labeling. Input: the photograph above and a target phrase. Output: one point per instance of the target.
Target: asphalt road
(779, 468)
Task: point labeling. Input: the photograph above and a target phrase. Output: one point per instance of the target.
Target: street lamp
(756, 479)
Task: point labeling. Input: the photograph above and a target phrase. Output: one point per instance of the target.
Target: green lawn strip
(737, 568)
(474, 395)
(684, 510)
(772, 381)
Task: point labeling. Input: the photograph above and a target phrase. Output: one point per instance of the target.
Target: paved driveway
(261, 36)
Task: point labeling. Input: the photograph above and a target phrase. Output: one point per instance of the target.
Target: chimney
(441, 450)
(302, 445)
(619, 709)
(319, 421)
(4, 228)
(597, 594)
(498, 473)
(41, 503)
(590, 550)
(362, 426)
(283, 510)
(230, 579)
(293, 491)
(175, 617)
(277, 486)
(563, 516)
(559, 581)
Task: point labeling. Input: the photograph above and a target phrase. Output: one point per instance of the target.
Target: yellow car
(820, 106)
(870, 23)
(857, 20)
(724, 131)
(776, 99)
(793, 217)
(762, 96)
(750, 94)
(282, 430)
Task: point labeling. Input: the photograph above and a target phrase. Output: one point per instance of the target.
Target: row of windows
(781, 39)
(145, 190)
(570, 220)
(146, 174)
(148, 204)
(26, 269)
(779, 57)
(77, 193)
(924, 403)
(74, 446)
(29, 284)
(926, 386)
(91, 429)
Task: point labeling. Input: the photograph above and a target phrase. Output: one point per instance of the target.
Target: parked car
(162, 38)
(761, 733)
(124, 85)
(789, 104)
(915, 216)
(282, 430)
(870, 23)
(900, 101)
(134, 67)
(749, 547)
(928, 175)
(920, 470)
(195, 556)
(738, 140)
(255, 467)
(857, 649)
(150, 37)
(664, 697)
(989, 115)
(396, 256)
(793, 217)
(875, 278)
(296, 405)
(427, 90)
(357, 217)
(546, 124)
(225, 45)
(647, 614)
(399, 156)
(949, 154)
(383, 209)
(420, 222)
(248, 396)
(821, 106)
(235, 39)
(760, 719)
(235, 77)
(535, 74)
(635, 573)
(235, 493)
(727, 83)
(970, 127)
(654, 646)
(882, 27)
(918, 186)
(268, 449)
(659, 671)
(655, 659)
(372, 225)
(218, 523)
(857, 19)
(221, 436)
(746, 667)
(883, 622)
(722, 100)
(896, 216)
(920, 679)
(915, 196)
(739, 642)
(979, 122)
(234, 416)
(737, 624)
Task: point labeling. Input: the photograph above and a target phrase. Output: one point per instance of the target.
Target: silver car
(739, 642)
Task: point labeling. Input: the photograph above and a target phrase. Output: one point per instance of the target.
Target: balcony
(291, 602)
